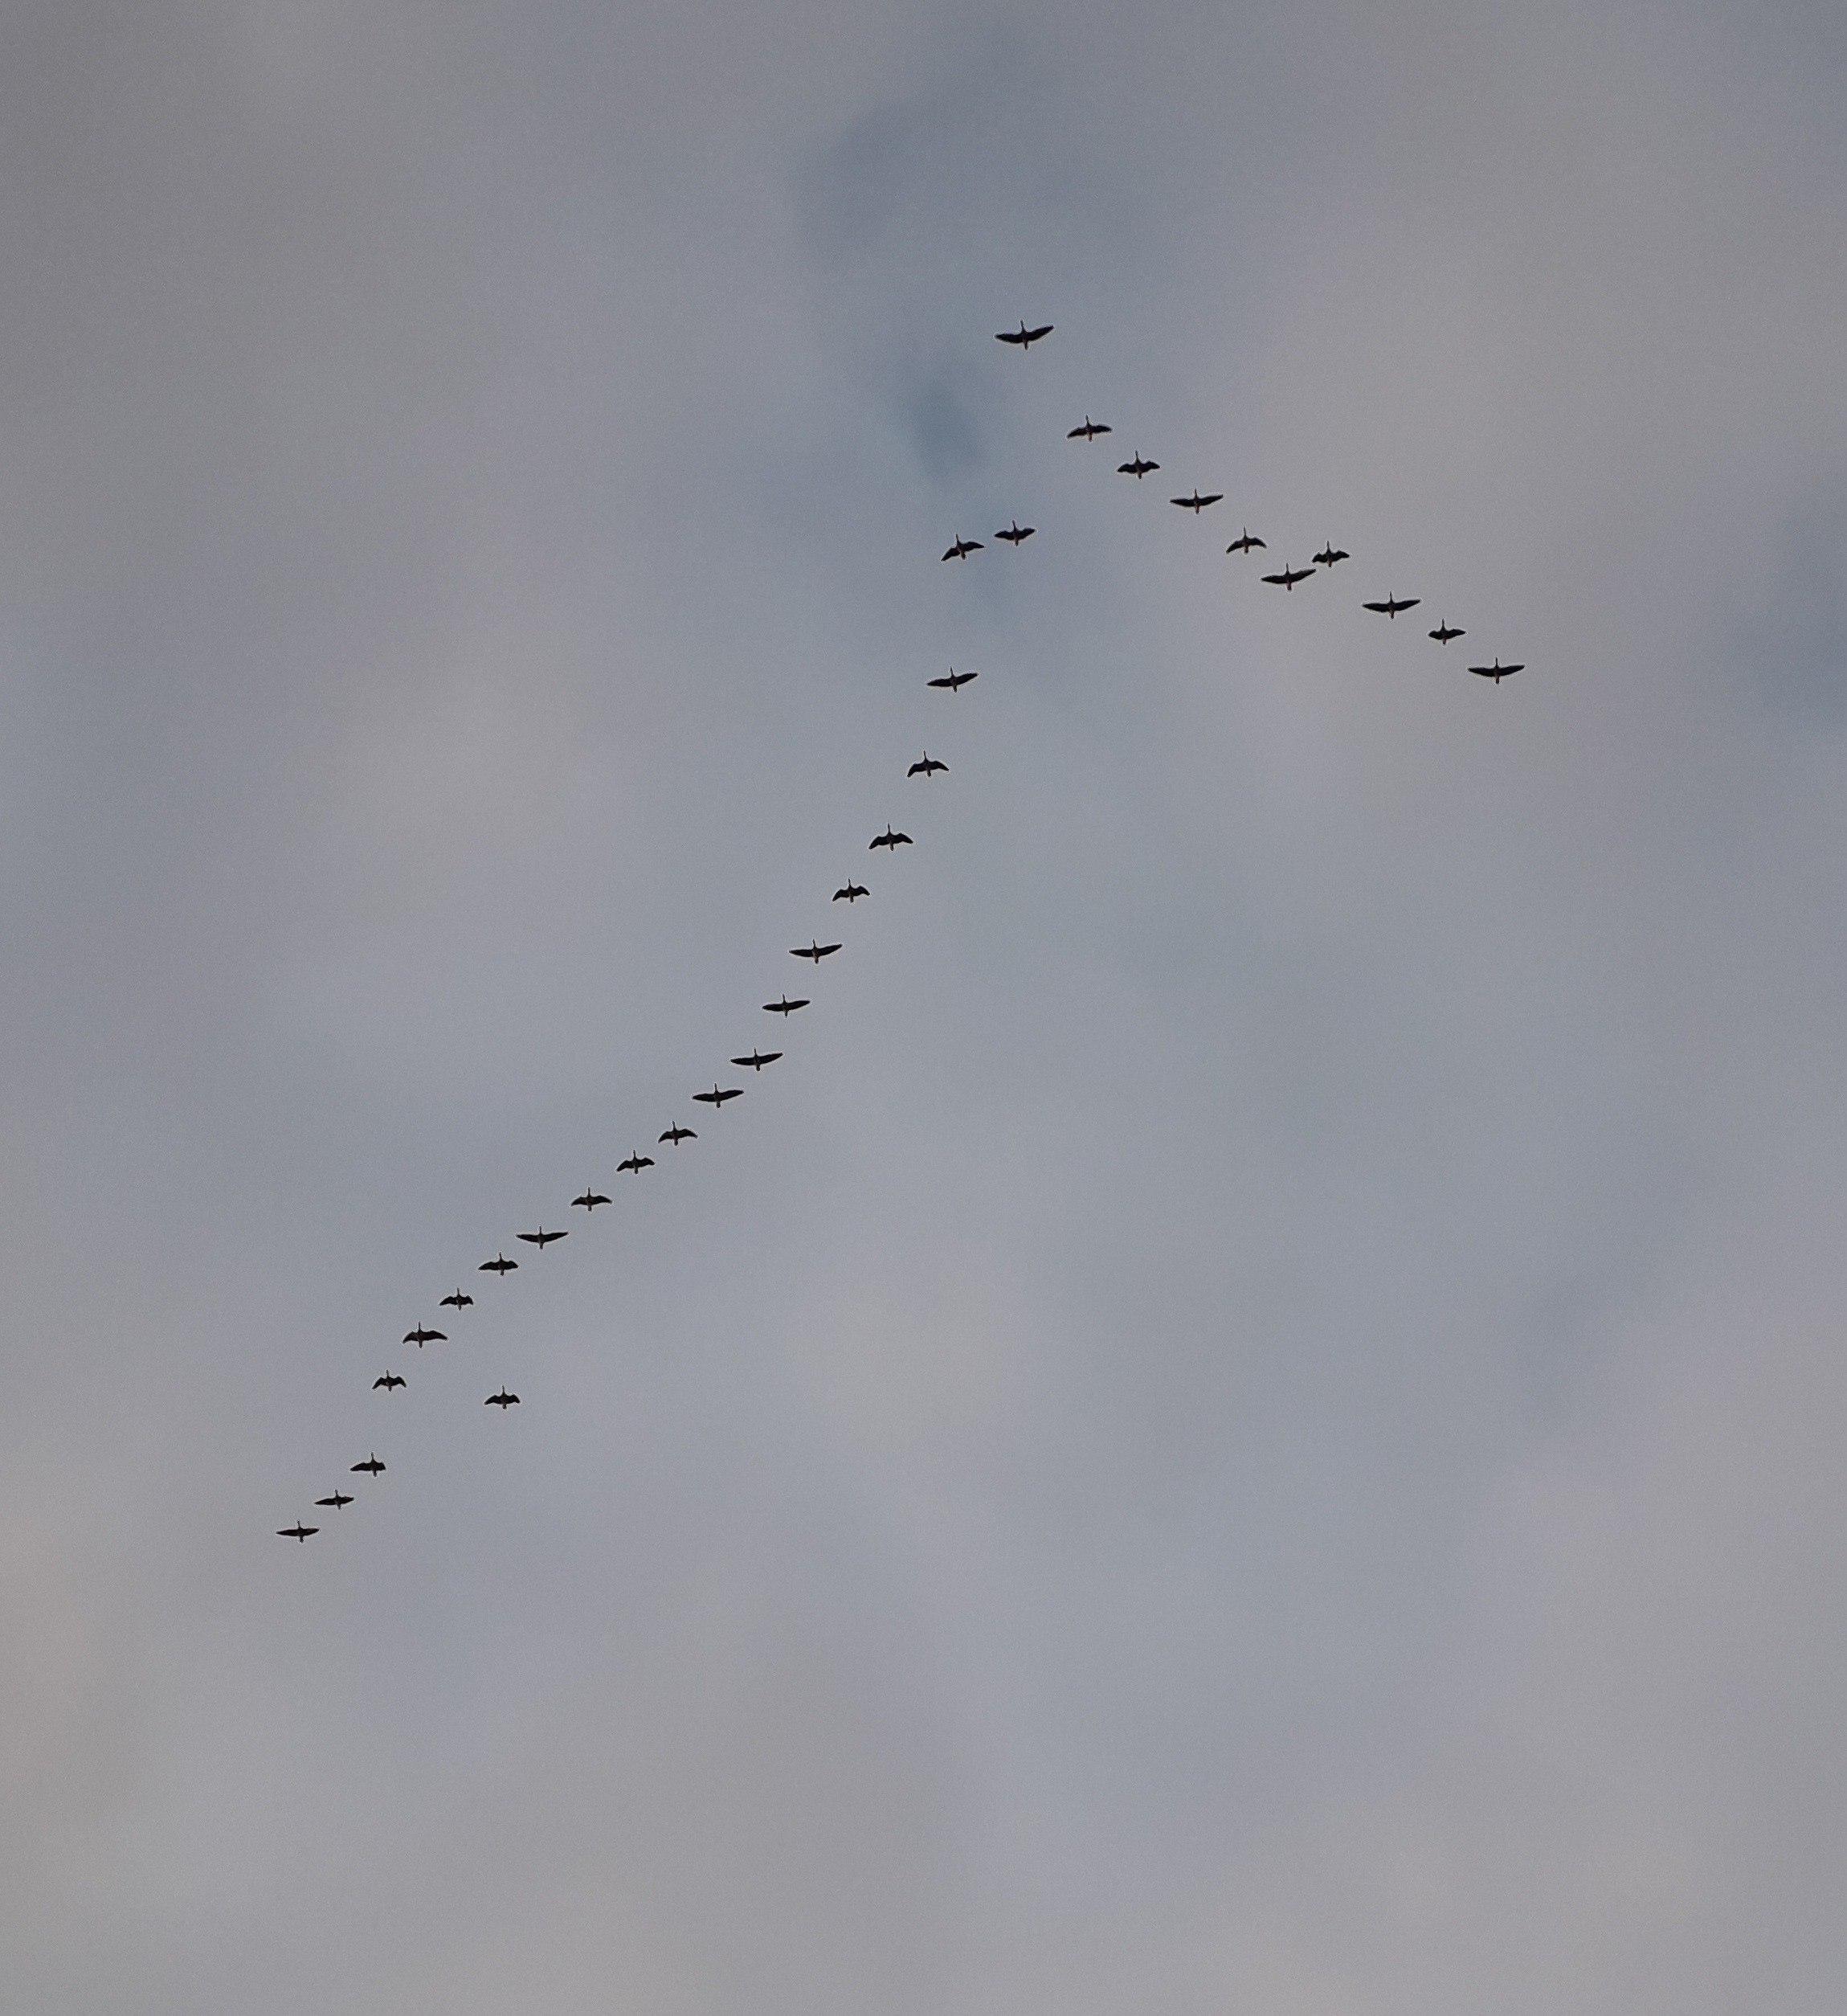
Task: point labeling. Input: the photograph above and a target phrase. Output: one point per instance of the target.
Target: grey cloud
(1248, 1417)
(1795, 640)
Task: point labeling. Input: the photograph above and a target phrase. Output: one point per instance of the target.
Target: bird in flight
(955, 681)
(1195, 503)
(817, 952)
(541, 1238)
(499, 1265)
(888, 838)
(1025, 338)
(1288, 577)
(1137, 469)
(338, 1499)
(927, 768)
(852, 893)
(372, 1467)
(1244, 543)
(1331, 555)
(963, 548)
(1393, 603)
(420, 1337)
(633, 1165)
(1089, 431)
(1497, 672)
(387, 1380)
(589, 1200)
(677, 1134)
(786, 1006)
(1017, 533)
(458, 1300)
(502, 1399)
(715, 1097)
(297, 1531)
(757, 1059)
(1444, 631)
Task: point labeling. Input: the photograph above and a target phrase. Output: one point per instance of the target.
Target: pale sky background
(1251, 1424)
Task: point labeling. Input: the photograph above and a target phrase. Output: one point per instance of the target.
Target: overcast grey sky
(1251, 1421)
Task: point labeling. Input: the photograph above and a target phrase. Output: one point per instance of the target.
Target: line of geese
(927, 767)
(756, 1060)
(1287, 579)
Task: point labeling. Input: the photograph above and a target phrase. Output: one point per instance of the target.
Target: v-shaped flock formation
(927, 767)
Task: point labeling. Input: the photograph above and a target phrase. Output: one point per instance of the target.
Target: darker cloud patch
(1795, 646)
(856, 188)
(917, 175)
(947, 433)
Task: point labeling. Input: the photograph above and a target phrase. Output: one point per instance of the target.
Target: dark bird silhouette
(503, 1399)
(1244, 542)
(677, 1134)
(1089, 431)
(1137, 469)
(1195, 503)
(458, 1300)
(816, 951)
(1444, 631)
(541, 1238)
(928, 767)
(1288, 577)
(633, 1165)
(852, 893)
(338, 1499)
(757, 1059)
(888, 838)
(955, 681)
(963, 548)
(499, 1264)
(388, 1381)
(786, 1006)
(1017, 533)
(372, 1467)
(296, 1532)
(1025, 338)
(589, 1200)
(715, 1097)
(1331, 555)
(420, 1337)
(1497, 672)
(1392, 604)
